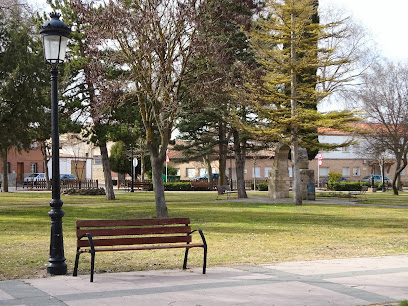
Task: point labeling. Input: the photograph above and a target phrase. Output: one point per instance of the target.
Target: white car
(33, 177)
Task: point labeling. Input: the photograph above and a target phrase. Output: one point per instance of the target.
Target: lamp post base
(57, 267)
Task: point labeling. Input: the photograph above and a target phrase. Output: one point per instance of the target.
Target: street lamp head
(55, 36)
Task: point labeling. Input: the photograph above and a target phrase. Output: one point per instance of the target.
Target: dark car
(204, 177)
(377, 179)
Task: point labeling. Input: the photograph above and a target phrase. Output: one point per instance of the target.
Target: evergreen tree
(23, 79)
(221, 49)
(93, 98)
(285, 100)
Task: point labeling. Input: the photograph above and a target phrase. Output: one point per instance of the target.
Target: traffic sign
(320, 156)
(167, 158)
(320, 162)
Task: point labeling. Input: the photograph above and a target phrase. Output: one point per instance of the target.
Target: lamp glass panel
(54, 48)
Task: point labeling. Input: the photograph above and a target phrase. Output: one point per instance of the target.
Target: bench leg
(92, 265)
(185, 259)
(76, 264)
(205, 259)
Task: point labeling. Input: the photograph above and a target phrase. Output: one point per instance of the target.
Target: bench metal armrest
(201, 234)
(90, 239)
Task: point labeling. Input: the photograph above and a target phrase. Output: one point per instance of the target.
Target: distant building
(351, 162)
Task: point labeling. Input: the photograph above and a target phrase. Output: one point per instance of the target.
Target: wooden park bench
(225, 189)
(358, 195)
(201, 185)
(139, 185)
(133, 235)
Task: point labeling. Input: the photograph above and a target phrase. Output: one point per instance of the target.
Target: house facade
(257, 166)
(351, 162)
(75, 159)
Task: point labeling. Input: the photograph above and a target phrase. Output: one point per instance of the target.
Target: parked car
(377, 179)
(33, 177)
(68, 177)
(204, 177)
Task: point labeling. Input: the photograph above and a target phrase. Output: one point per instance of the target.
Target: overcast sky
(386, 20)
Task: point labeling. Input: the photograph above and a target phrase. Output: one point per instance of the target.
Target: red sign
(320, 156)
(320, 162)
(167, 158)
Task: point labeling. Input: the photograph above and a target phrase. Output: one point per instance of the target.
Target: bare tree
(347, 51)
(384, 97)
(154, 41)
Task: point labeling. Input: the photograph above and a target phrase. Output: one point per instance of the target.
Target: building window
(324, 171)
(8, 167)
(256, 172)
(33, 168)
(202, 171)
(267, 171)
(346, 171)
(356, 171)
(190, 172)
(97, 159)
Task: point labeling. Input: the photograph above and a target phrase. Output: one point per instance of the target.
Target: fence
(65, 184)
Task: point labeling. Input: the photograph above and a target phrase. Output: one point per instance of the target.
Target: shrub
(178, 186)
(334, 176)
(344, 186)
(263, 186)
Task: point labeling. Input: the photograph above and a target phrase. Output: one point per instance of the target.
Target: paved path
(354, 281)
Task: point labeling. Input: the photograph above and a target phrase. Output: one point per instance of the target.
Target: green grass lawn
(237, 233)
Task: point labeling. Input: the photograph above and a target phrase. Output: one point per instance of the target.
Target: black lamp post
(55, 35)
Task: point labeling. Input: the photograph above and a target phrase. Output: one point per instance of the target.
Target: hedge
(178, 186)
(349, 186)
(260, 186)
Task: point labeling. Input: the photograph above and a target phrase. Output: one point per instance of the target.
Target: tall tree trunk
(5, 173)
(223, 151)
(142, 167)
(157, 161)
(397, 176)
(207, 162)
(296, 188)
(110, 194)
(240, 155)
(43, 147)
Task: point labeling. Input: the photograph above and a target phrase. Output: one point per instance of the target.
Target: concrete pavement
(353, 281)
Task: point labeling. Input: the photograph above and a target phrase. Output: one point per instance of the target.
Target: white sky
(386, 20)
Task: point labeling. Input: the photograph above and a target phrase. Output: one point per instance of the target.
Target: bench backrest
(364, 188)
(133, 231)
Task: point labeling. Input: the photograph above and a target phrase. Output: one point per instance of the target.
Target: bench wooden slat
(154, 247)
(137, 240)
(134, 231)
(131, 222)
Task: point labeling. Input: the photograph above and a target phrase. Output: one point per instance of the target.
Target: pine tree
(285, 100)
(221, 50)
